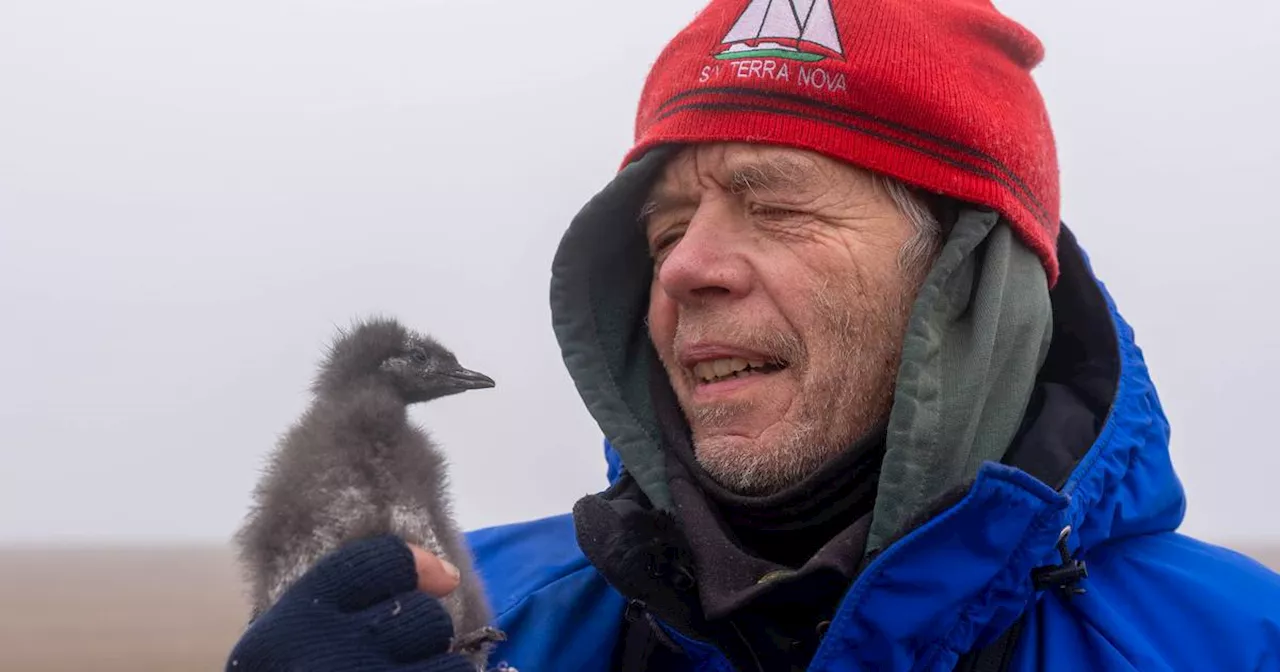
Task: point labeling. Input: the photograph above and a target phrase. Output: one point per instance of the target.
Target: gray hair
(926, 242)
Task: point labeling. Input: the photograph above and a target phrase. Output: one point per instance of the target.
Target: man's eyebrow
(658, 202)
(776, 173)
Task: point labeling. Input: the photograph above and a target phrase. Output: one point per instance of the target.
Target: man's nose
(707, 262)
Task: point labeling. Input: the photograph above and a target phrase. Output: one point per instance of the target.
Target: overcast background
(193, 194)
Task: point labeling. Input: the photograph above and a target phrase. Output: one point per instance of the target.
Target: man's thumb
(436, 576)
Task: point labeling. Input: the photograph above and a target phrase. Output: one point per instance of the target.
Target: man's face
(778, 305)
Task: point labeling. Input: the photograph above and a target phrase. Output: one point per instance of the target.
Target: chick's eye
(419, 356)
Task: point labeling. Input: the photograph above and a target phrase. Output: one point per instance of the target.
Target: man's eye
(773, 212)
(663, 241)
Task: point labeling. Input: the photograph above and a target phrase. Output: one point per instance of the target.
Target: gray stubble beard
(834, 409)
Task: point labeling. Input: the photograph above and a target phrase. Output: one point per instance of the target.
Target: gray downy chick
(354, 466)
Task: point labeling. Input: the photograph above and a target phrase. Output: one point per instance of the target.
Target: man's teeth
(717, 369)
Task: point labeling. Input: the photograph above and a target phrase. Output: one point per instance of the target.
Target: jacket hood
(599, 299)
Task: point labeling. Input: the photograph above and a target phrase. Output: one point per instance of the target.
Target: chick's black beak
(466, 379)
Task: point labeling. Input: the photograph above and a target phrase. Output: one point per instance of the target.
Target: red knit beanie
(935, 93)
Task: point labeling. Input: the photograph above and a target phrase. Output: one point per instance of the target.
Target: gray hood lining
(979, 331)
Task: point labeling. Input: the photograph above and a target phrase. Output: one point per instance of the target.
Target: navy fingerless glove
(358, 609)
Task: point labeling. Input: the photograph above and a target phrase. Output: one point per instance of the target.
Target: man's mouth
(728, 368)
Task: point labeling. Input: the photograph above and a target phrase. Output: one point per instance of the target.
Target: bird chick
(354, 466)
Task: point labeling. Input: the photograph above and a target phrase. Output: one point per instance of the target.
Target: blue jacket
(1154, 599)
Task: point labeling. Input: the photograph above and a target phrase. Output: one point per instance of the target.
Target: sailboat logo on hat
(801, 30)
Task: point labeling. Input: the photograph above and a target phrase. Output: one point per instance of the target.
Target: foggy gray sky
(192, 194)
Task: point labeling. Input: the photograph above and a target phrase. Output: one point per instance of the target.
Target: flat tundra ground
(138, 609)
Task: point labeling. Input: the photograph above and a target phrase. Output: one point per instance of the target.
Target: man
(867, 407)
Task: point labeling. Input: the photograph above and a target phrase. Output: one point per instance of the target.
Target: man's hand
(372, 605)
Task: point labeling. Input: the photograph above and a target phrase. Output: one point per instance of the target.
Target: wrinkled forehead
(741, 165)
